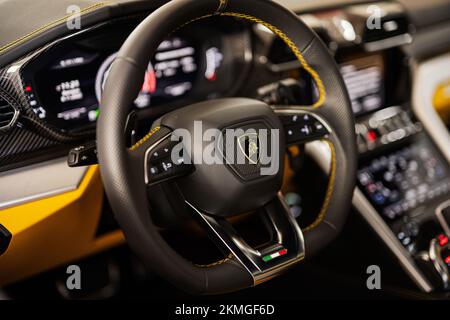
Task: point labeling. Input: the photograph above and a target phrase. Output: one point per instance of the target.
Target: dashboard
(402, 175)
(64, 84)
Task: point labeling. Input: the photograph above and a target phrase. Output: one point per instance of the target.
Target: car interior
(95, 98)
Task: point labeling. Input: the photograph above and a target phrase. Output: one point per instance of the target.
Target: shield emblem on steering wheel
(249, 146)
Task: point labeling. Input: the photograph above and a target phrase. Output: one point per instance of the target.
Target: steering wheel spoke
(285, 248)
(302, 125)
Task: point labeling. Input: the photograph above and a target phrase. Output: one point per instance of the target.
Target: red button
(443, 240)
(372, 136)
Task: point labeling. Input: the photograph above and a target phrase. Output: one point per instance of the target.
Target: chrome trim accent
(441, 218)
(439, 265)
(387, 43)
(381, 228)
(43, 180)
(219, 237)
(287, 234)
(386, 113)
(427, 76)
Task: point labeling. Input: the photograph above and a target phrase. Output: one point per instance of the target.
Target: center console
(403, 179)
(406, 181)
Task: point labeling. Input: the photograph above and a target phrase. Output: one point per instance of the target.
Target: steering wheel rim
(126, 188)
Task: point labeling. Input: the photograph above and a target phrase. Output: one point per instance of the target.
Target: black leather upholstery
(337, 111)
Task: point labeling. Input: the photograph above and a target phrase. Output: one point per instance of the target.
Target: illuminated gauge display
(170, 74)
(148, 87)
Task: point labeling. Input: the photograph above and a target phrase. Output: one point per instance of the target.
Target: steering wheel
(215, 192)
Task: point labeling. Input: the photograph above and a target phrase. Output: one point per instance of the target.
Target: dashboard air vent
(8, 115)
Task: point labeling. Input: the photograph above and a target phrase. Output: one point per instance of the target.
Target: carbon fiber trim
(29, 138)
(32, 139)
(8, 114)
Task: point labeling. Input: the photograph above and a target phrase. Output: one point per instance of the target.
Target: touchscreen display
(402, 180)
(364, 79)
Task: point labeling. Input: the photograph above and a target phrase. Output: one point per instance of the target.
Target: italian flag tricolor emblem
(272, 256)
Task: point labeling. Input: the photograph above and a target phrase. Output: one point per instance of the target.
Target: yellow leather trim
(55, 231)
(441, 101)
(329, 193)
(142, 141)
(51, 25)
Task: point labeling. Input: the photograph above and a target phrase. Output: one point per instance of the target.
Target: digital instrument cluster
(171, 73)
(67, 91)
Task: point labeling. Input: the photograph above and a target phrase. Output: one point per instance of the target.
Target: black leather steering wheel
(127, 172)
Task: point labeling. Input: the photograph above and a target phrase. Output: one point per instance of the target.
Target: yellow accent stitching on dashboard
(294, 49)
(142, 141)
(51, 25)
(329, 193)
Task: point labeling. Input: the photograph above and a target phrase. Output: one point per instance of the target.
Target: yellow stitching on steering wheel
(329, 193)
(142, 141)
(294, 49)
